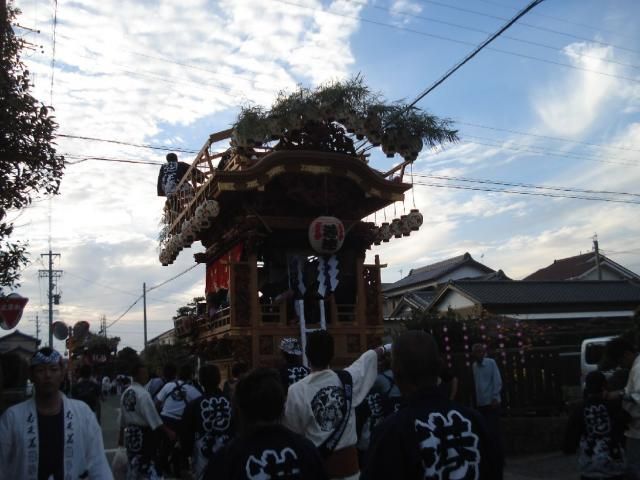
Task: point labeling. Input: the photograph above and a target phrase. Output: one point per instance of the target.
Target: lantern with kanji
(326, 235)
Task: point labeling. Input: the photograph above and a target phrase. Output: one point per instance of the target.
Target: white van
(591, 352)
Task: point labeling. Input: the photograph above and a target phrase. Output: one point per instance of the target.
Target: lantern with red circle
(11, 308)
(326, 235)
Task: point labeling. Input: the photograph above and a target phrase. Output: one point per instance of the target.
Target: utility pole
(37, 327)
(103, 326)
(595, 247)
(52, 275)
(144, 307)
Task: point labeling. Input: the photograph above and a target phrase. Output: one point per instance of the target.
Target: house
(20, 344)
(583, 267)
(416, 290)
(540, 300)
(165, 338)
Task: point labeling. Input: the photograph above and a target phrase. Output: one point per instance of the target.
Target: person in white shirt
(171, 401)
(322, 405)
(50, 435)
(624, 354)
(140, 426)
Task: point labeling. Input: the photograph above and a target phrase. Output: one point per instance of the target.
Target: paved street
(547, 466)
(110, 411)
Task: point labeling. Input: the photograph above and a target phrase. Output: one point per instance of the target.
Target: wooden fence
(536, 381)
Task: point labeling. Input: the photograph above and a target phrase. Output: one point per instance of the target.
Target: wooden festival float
(280, 213)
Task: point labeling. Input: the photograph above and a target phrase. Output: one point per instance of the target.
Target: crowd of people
(375, 419)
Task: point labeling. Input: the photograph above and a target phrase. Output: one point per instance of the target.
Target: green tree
(157, 356)
(190, 308)
(29, 164)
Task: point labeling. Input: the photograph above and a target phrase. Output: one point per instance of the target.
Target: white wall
(453, 300)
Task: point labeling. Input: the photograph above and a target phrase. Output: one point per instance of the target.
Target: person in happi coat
(293, 370)
(431, 437)
(50, 436)
(264, 448)
(383, 399)
(596, 429)
(322, 405)
(171, 400)
(206, 425)
(140, 427)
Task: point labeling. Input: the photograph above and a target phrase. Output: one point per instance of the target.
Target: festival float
(280, 210)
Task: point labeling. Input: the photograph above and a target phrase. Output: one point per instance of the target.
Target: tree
(157, 356)
(189, 309)
(29, 164)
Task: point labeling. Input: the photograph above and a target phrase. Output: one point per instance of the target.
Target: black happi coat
(597, 427)
(432, 438)
(268, 452)
(169, 176)
(206, 427)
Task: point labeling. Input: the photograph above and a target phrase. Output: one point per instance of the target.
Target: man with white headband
(51, 436)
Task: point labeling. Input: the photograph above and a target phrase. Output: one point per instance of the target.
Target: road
(548, 466)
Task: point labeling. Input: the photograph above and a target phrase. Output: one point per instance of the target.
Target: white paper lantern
(405, 227)
(415, 219)
(211, 208)
(396, 228)
(326, 235)
(188, 233)
(385, 232)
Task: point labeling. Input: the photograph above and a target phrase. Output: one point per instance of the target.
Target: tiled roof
(18, 333)
(435, 271)
(565, 268)
(574, 267)
(531, 292)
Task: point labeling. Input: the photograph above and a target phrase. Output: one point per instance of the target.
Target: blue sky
(171, 73)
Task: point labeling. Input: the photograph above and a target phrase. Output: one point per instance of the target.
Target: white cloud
(571, 106)
(402, 10)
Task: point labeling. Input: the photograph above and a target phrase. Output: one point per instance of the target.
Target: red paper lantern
(326, 235)
(11, 308)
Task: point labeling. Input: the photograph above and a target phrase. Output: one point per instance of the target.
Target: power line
(552, 17)
(526, 148)
(463, 42)
(129, 144)
(522, 192)
(548, 137)
(172, 278)
(526, 185)
(479, 30)
(125, 312)
(477, 50)
(83, 159)
(528, 25)
(148, 290)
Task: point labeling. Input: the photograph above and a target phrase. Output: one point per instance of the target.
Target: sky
(553, 102)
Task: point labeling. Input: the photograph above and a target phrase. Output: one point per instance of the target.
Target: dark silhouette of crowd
(387, 415)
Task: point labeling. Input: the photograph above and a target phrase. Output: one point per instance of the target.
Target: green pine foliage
(335, 115)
